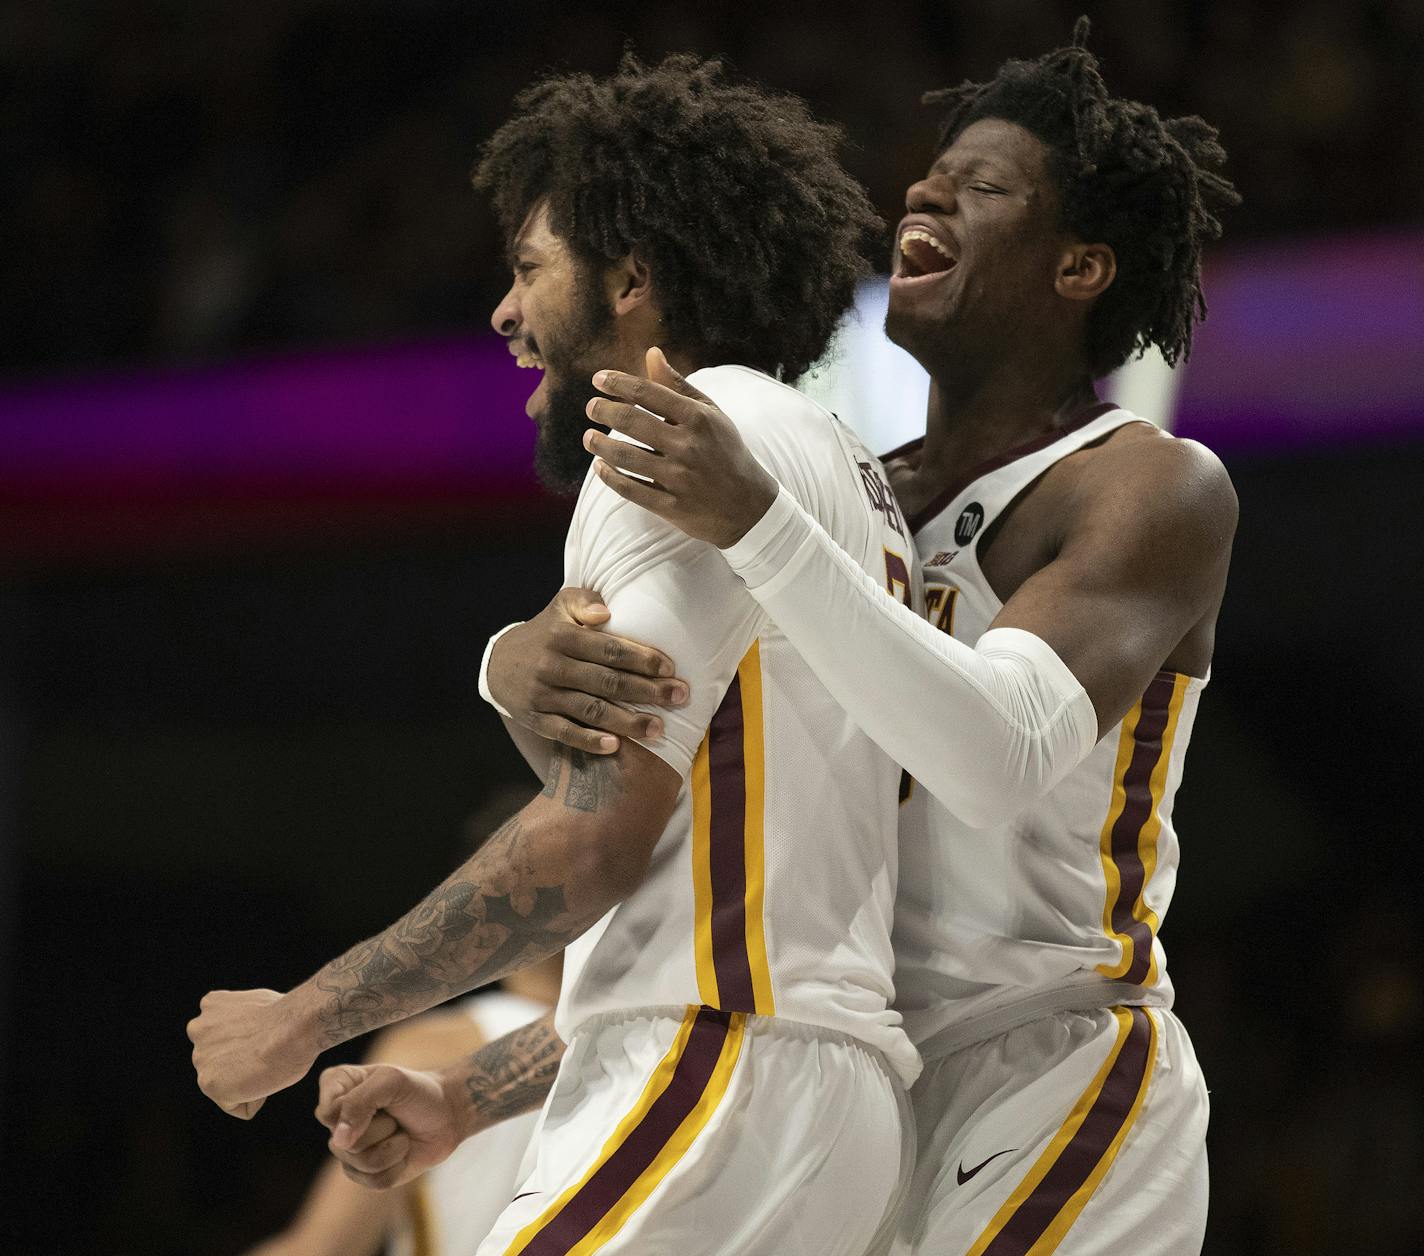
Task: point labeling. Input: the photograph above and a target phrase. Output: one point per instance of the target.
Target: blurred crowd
(192, 180)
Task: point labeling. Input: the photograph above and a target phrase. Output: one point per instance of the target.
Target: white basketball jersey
(1061, 907)
(456, 1203)
(771, 890)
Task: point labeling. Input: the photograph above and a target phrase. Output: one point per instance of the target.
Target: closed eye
(988, 188)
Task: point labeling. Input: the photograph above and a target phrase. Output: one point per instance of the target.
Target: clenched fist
(247, 1045)
(388, 1124)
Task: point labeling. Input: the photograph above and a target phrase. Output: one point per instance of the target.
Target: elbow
(609, 865)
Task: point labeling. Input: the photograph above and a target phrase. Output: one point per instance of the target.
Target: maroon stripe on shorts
(1076, 1162)
(1147, 752)
(727, 779)
(616, 1175)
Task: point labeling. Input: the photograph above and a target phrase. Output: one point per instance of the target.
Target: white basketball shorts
(1080, 1133)
(694, 1132)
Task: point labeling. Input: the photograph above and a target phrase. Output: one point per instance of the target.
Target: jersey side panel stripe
(726, 760)
(754, 830)
(1130, 833)
(1043, 1207)
(679, 1099)
(702, 876)
(1147, 844)
(728, 846)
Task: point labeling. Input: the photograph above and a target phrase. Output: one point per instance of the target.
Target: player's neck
(969, 422)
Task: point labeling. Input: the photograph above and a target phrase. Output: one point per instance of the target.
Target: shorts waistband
(757, 1026)
(1092, 997)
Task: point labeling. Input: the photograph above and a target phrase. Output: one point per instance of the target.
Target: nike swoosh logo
(525, 1195)
(964, 1177)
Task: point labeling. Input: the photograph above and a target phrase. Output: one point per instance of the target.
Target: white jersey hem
(1088, 997)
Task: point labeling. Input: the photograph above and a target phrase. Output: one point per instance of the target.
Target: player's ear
(1085, 271)
(629, 284)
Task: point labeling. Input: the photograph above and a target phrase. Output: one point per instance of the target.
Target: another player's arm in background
(535, 885)
(336, 1217)
(987, 728)
(388, 1125)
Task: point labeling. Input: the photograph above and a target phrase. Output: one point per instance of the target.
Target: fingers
(604, 648)
(374, 1181)
(598, 716)
(631, 421)
(675, 405)
(581, 606)
(383, 1126)
(567, 733)
(615, 685)
(648, 496)
(350, 1095)
(620, 454)
(390, 1152)
(243, 1111)
(661, 371)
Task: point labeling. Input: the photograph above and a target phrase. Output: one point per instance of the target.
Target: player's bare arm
(388, 1124)
(536, 884)
(1140, 569)
(563, 679)
(1145, 540)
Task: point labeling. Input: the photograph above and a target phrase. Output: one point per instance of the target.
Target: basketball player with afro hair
(723, 890)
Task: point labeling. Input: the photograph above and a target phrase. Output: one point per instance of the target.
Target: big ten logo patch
(881, 496)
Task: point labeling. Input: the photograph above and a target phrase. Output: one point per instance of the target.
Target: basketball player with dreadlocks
(1075, 558)
(735, 1077)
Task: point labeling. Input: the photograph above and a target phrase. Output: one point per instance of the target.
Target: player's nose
(933, 194)
(506, 317)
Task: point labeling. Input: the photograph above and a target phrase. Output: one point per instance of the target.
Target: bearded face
(558, 320)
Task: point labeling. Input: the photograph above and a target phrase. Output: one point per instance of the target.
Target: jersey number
(897, 578)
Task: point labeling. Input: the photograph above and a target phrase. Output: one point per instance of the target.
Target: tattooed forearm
(513, 1074)
(489, 918)
(528, 892)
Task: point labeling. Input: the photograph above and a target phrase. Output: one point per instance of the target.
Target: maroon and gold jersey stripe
(728, 850)
(1042, 1208)
(1134, 823)
(675, 1106)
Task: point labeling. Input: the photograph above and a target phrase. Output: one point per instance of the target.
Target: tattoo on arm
(505, 908)
(513, 1074)
(593, 780)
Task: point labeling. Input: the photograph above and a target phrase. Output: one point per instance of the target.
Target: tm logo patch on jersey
(971, 518)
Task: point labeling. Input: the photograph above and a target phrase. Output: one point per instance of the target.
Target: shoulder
(761, 407)
(1156, 481)
(427, 1041)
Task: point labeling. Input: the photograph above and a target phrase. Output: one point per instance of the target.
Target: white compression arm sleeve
(986, 729)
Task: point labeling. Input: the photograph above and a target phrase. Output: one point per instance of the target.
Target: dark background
(221, 763)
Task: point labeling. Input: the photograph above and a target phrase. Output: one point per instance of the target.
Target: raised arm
(537, 883)
(986, 728)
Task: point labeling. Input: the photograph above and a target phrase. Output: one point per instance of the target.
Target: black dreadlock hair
(1150, 187)
(734, 197)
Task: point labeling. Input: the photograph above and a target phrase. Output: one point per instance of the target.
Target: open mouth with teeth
(527, 356)
(922, 254)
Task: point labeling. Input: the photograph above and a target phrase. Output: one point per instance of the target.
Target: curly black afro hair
(1150, 187)
(734, 197)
